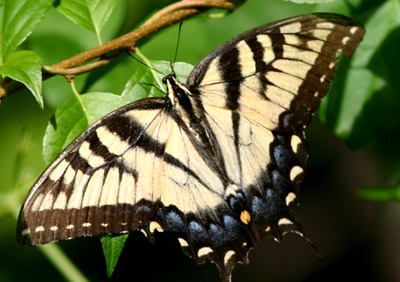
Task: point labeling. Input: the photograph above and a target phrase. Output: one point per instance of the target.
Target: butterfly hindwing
(217, 162)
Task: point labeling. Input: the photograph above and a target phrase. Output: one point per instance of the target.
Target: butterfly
(217, 161)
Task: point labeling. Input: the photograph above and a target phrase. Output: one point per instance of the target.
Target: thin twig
(82, 69)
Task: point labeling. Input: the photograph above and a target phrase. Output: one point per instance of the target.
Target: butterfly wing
(104, 182)
(258, 92)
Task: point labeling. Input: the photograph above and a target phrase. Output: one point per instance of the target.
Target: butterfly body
(217, 161)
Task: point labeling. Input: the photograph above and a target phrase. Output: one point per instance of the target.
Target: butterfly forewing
(277, 74)
(222, 171)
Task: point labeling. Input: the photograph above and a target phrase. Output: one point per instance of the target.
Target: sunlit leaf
(25, 67)
(18, 19)
(360, 104)
(91, 14)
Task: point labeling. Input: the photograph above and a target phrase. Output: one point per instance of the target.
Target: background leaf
(359, 93)
(91, 14)
(16, 23)
(380, 193)
(25, 67)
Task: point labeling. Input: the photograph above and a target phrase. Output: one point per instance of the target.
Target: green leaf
(70, 120)
(18, 19)
(91, 14)
(112, 248)
(379, 193)
(25, 67)
(99, 104)
(360, 91)
(148, 78)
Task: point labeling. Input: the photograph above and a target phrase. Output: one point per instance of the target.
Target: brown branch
(81, 62)
(79, 70)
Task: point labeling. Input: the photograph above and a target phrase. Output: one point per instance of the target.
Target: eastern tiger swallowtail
(217, 161)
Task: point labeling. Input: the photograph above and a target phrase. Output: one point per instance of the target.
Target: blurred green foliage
(362, 107)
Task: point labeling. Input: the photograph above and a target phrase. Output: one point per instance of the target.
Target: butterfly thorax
(181, 100)
(186, 106)
(179, 97)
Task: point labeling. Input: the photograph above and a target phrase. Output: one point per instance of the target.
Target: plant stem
(60, 261)
(78, 97)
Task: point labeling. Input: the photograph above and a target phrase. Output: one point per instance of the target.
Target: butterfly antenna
(143, 63)
(318, 253)
(152, 85)
(177, 46)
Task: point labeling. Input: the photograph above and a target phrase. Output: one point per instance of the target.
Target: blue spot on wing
(217, 235)
(143, 208)
(197, 232)
(259, 210)
(232, 227)
(174, 222)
